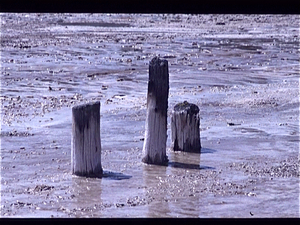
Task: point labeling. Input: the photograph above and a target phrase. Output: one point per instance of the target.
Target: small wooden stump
(156, 121)
(86, 143)
(185, 130)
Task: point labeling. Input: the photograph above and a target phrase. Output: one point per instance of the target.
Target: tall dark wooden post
(86, 143)
(157, 104)
(185, 128)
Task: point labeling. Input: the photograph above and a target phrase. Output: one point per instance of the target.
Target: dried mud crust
(212, 182)
(27, 107)
(265, 168)
(194, 185)
(23, 33)
(174, 187)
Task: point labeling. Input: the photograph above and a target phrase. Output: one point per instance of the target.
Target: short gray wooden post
(156, 120)
(185, 128)
(86, 143)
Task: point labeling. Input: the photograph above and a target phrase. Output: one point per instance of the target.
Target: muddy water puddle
(242, 72)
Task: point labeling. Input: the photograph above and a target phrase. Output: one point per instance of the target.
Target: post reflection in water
(180, 165)
(86, 193)
(162, 188)
(184, 160)
(158, 205)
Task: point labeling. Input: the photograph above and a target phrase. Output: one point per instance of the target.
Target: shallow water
(245, 72)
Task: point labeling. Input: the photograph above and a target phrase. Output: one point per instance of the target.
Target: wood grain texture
(185, 128)
(86, 142)
(154, 148)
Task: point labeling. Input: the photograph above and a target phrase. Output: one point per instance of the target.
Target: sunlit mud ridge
(242, 71)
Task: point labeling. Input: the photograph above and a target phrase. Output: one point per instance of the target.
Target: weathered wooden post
(185, 130)
(156, 121)
(86, 143)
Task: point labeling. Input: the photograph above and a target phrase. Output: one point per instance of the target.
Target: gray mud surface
(241, 71)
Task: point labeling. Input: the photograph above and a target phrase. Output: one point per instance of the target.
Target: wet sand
(242, 72)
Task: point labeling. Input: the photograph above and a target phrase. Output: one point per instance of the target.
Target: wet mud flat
(242, 72)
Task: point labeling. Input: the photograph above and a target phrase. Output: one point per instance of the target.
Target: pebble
(251, 194)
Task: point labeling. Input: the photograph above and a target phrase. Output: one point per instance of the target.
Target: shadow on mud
(189, 166)
(115, 176)
(207, 150)
(93, 24)
(188, 160)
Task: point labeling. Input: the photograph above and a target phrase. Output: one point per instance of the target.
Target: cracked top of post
(157, 60)
(82, 106)
(186, 106)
